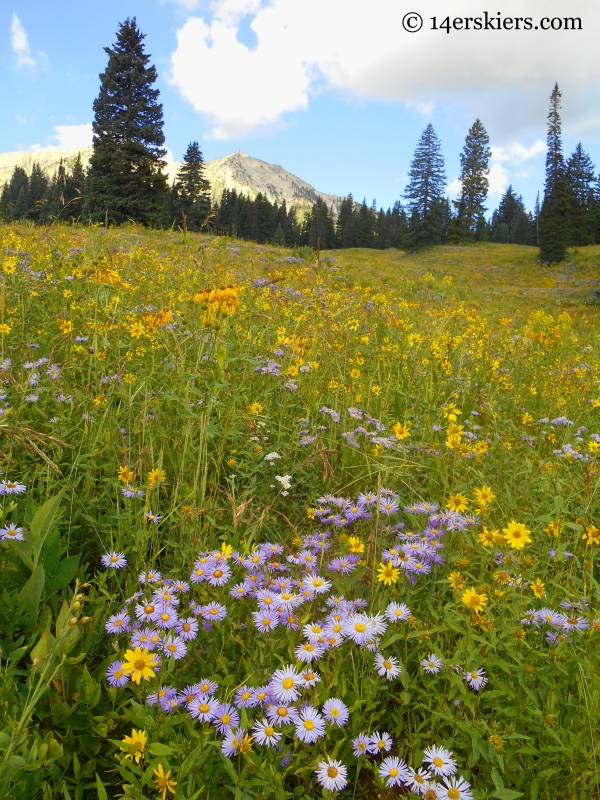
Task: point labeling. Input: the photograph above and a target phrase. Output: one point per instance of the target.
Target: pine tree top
(126, 109)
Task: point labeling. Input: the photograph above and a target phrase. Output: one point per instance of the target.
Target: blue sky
(335, 91)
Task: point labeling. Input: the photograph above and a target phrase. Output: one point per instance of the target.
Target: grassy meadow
(273, 528)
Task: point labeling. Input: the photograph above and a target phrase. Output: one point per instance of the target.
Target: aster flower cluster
(560, 624)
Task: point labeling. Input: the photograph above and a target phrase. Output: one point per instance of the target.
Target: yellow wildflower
(387, 573)
(163, 782)
(474, 602)
(135, 745)
(516, 535)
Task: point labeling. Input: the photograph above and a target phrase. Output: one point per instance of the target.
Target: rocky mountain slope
(237, 171)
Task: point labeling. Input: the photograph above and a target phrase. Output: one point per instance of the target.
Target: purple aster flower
(174, 646)
(111, 560)
(245, 697)
(380, 743)
(360, 745)
(226, 717)
(187, 628)
(215, 612)
(336, 712)
(11, 487)
(115, 675)
(118, 623)
(11, 533)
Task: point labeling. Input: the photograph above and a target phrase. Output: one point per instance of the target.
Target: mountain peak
(237, 171)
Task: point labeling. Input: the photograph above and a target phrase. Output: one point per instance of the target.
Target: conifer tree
(425, 191)
(126, 180)
(553, 231)
(74, 191)
(364, 226)
(474, 161)
(580, 199)
(193, 188)
(36, 195)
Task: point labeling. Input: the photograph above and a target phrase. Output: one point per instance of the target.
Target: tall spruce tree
(580, 198)
(425, 191)
(192, 188)
(553, 232)
(126, 180)
(474, 163)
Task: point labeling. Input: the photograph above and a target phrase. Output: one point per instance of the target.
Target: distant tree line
(125, 182)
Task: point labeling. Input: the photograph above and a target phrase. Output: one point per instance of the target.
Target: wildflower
(156, 476)
(286, 684)
(487, 537)
(115, 675)
(360, 745)
(310, 725)
(11, 533)
(136, 330)
(155, 518)
(335, 711)
(432, 664)
(484, 496)
(308, 652)
(387, 574)
(332, 775)
(388, 667)
(516, 535)
(380, 743)
(456, 581)
(125, 475)
(11, 487)
(284, 480)
(117, 623)
(162, 780)
(476, 679)
(393, 770)
(418, 780)
(204, 708)
(282, 714)
(232, 743)
(136, 744)
(265, 620)
(187, 629)
(265, 733)
(226, 717)
(112, 560)
(397, 612)
(440, 761)
(455, 789)
(592, 536)
(174, 646)
(401, 430)
(254, 409)
(474, 601)
(537, 587)
(140, 664)
(355, 545)
(458, 503)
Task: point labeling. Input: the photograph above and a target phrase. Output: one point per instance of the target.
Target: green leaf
(158, 749)
(30, 595)
(44, 650)
(100, 789)
(64, 573)
(89, 689)
(506, 794)
(42, 523)
(50, 553)
(24, 551)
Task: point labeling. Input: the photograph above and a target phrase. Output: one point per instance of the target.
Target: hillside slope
(237, 171)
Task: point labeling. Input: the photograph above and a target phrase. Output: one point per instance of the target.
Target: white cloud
(20, 44)
(504, 77)
(498, 180)
(517, 153)
(455, 187)
(67, 137)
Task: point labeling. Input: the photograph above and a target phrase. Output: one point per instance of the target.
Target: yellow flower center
(282, 712)
(148, 609)
(393, 772)
(204, 708)
(288, 683)
(335, 712)
(269, 731)
(225, 719)
(308, 724)
(387, 664)
(438, 762)
(453, 793)
(140, 664)
(218, 573)
(360, 627)
(332, 772)
(118, 673)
